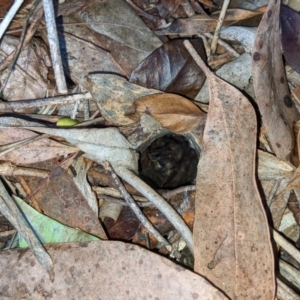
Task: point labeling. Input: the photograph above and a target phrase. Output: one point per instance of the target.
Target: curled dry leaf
(278, 111)
(174, 112)
(231, 233)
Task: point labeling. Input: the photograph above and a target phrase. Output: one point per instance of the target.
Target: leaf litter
(135, 90)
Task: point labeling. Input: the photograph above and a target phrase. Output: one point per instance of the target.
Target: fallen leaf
(80, 168)
(231, 232)
(174, 112)
(200, 24)
(98, 144)
(125, 227)
(278, 111)
(29, 79)
(120, 31)
(290, 22)
(62, 201)
(170, 69)
(122, 271)
(49, 230)
(115, 96)
(82, 53)
(167, 7)
(34, 152)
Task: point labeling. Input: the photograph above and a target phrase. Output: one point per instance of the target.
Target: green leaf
(66, 122)
(49, 230)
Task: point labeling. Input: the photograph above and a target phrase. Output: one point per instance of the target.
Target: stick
(198, 60)
(9, 16)
(131, 203)
(214, 42)
(287, 246)
(170, 213)
(12, 213)
(54, 47)
(20, 104)
(29, 34)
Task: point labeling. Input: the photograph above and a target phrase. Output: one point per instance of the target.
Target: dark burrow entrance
(169, 162)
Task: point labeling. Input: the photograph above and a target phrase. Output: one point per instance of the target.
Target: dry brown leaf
(34, 152)
(106, 270)
(61, 200)
(236, 15)
(115, 96)
(120, 31)
(202, 24)
(29, 79)
(278, 111)
(83, 54)
(231, 234)
(174, 112)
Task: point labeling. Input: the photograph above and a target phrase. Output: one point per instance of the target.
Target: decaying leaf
(200, 24)
(231, 233)
(83, 53)
(120, 31)
(271, 89)
(61, 200)
(290, 22)
(167, 7)
(170, 69)
(34, 152)
(29, 79)
(115, 96)
(110, 270)
(98, 144)
(49, 230)
(173, 112)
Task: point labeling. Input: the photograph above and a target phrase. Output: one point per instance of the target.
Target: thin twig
(225, 45)
(161, 23)
(286, 245)
(187, 7)
(170, 213)
(168, 194)
(22, 71)
(198, 60)
(10, 210)
(112, 192)
(214, 42)
(9, 169)
(122, 202)
(131, 203)
(19, 144)
(29, 34)
(20, 104)
(9, 16)
(22, 38)
(7, 232)
(60, 78)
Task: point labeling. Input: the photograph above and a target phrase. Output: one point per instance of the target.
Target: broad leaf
(231, 233)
